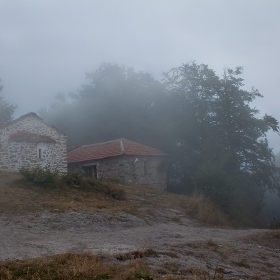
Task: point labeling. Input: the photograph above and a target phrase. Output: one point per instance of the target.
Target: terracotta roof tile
(111, 148)
(32, 137)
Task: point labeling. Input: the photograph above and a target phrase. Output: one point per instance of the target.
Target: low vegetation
(41, 176)
(71, 266)
(87, 266)
(50, 178)
(20, 194)
(204, 210)
(79, 194)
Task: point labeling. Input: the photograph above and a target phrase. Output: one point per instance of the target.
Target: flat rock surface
(182, 246)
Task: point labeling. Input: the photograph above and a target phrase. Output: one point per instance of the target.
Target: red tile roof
(111, 148)
(31, 137)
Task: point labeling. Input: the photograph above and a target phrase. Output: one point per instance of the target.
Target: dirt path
(182, 246)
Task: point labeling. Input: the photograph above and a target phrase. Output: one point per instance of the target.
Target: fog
(46, 47)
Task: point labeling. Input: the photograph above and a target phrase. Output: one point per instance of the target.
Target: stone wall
(139, 170)
(15, 154)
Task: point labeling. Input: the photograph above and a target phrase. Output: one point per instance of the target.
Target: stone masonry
(50, 148)
(139, 170)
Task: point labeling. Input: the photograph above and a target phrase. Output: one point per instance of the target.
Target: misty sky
(47, 46)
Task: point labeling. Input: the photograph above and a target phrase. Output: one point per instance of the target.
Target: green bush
(216, 184)
(77, 180)
(105, 187)
(230, 192)
(47, 177)
(43, 176)
(72, 178)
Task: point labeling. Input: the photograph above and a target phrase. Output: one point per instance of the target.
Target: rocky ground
(150, 226)
(179, 246)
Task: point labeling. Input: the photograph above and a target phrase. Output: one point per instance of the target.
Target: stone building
(128, 161)
(28, 142)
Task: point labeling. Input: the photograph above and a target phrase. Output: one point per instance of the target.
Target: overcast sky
(47, 46)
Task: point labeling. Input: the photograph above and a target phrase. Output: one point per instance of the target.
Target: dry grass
(137, 255)
(213, 246)
(270, 239)
(17, 196)
(204, 210)
(87, 266)
(71, 266)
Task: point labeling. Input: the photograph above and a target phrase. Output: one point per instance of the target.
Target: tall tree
(6, 110)
(220, 143)
(216, 142)
(118, 102)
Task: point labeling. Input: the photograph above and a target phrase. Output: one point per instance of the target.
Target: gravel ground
(182, 246)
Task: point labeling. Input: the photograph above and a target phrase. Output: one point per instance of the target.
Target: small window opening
(90, 171)
(40, 153)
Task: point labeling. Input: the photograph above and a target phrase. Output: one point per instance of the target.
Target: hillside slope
(35, 222)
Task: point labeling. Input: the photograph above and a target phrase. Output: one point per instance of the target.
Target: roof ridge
(26, 131)
(19, 118)
(30, 114)
(109, 141)
(122, 146)
(116, 140)
(112, 148)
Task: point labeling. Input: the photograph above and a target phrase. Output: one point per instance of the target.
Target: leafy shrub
(107, 188)
(230, 192)
(72, 178)
(77, 180)
(43, 176)
(47, 177)
(214, 183)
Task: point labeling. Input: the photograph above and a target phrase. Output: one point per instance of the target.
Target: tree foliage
(118, 102)
(223, 147)
(6, 110)
(215, 140)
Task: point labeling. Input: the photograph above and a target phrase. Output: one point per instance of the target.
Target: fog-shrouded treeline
(215, 140)
(6, 110)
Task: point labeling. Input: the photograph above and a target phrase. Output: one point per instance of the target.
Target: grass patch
(204, 210)
(19, 196)
(46, 177)
(88, 266)
(269, 238)
(212, 245)
(71, 266)
(77, 180)
(139, 254)
(78, 193)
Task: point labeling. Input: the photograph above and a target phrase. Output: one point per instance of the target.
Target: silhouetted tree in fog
(215, 141)
(6, 110)
(118, 102)
(222, 148)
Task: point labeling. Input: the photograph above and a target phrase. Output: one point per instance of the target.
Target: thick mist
(47, 46)
(215, 140)
(171, 99)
